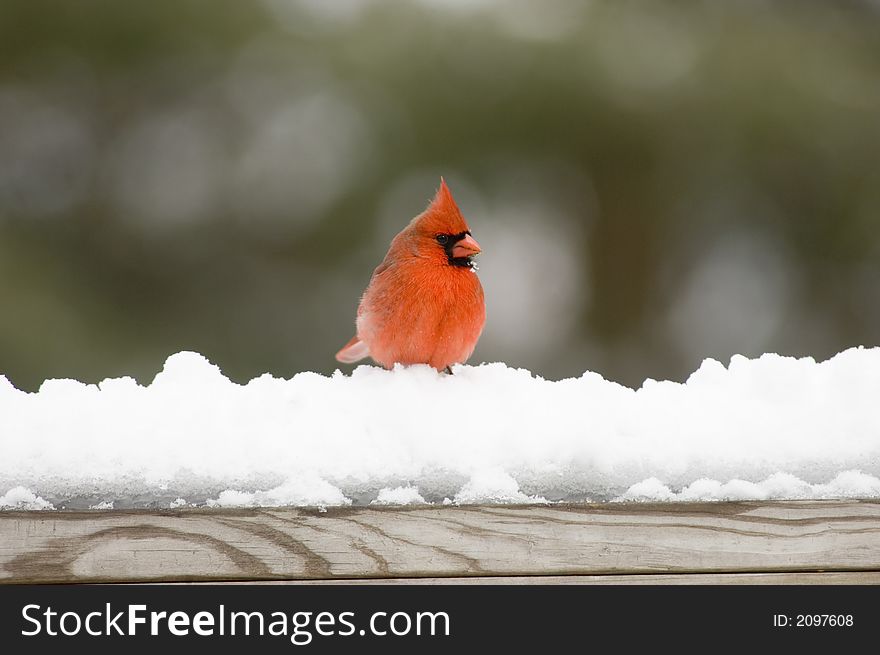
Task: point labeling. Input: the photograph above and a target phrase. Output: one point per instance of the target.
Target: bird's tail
(354, 351)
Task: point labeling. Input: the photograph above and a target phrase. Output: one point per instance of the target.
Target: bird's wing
(355, 350)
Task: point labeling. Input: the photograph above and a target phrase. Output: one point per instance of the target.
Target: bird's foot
(448, 369)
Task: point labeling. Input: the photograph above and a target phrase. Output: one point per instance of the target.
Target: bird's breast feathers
(409, 310)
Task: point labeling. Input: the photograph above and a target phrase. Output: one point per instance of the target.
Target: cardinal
(424, 303)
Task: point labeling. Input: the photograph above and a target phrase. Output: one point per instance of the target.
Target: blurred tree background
(652, 182)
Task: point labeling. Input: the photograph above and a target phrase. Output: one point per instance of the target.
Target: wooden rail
(750, 542)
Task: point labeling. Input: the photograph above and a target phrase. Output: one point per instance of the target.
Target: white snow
(305, 489)
(399, 496)
(768, 428)
(21, 498)
(848, 484)
(493, 486)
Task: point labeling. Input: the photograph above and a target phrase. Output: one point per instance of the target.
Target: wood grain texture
(811, 578)
(439, 542)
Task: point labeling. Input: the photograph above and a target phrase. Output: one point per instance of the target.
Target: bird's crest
(442, 216)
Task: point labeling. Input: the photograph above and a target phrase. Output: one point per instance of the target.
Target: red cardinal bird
(424, 303)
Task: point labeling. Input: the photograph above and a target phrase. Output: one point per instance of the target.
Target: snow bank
(773, 427)
(21, 498)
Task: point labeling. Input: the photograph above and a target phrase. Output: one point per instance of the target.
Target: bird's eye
(442, 239)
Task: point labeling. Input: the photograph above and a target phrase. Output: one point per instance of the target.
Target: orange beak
(467, 247)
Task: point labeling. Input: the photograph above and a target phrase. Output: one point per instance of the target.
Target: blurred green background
(652, 182)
